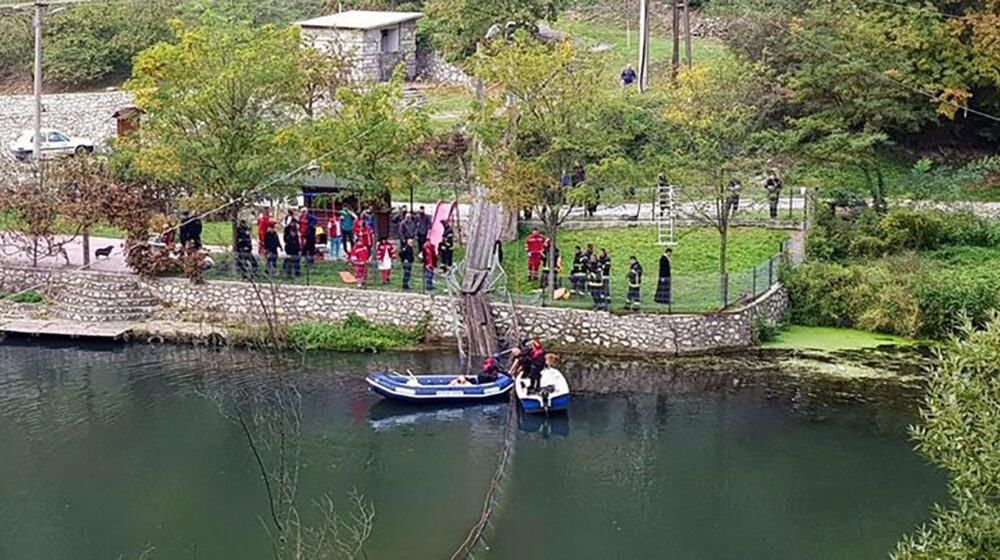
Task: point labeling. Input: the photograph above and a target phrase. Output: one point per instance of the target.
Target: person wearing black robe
(292, 265)
(634, 284)
(246, 264)
(663, 295)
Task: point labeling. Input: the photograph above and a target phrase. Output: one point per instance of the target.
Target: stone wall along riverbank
(564, 330)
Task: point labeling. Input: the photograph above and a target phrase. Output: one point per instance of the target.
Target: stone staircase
(104, 298)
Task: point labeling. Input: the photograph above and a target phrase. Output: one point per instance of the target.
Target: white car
(54, 143)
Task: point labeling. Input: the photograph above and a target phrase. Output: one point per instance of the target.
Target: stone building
(376, 42)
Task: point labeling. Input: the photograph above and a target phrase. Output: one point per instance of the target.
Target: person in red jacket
(385, 253)
(535, 247)
(264, 223)
(359, 256)
(429, 255)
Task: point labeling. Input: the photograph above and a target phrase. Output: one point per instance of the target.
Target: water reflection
(106, 449)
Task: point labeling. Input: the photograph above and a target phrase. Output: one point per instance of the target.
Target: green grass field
(695, 267)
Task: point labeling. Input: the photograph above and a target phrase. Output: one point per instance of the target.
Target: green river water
(110, 451)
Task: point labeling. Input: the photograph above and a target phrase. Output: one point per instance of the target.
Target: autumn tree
(372, 142)
(456, 26)
(218, 105)
(717, 115)
(543, 120)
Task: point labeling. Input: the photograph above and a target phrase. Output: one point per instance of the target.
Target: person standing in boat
(663, 295)
(634, 283)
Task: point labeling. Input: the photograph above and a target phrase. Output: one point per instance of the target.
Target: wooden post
(643, 45)
(687, 31)
(675, 57)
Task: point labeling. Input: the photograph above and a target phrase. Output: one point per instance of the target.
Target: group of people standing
(772, 187)
(349, 237)
(591, 272)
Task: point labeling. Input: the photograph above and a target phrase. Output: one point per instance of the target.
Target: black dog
(104, 251)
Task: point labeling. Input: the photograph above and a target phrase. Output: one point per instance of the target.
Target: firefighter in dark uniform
(634, 283)
(595, 283)
(577, 275)
(605, 261)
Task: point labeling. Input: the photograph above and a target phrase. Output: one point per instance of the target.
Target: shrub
(949, 297)
(355, 334)
(965, 228)
(818, 293)
(29, 296)
(912, 229)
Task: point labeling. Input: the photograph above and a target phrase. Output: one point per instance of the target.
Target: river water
(110, 451)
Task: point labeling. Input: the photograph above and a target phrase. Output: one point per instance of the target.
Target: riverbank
(220, 307)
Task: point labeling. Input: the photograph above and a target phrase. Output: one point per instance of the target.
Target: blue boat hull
(436, 389)
(557, 404)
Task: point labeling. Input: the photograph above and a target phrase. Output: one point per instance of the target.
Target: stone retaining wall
(77, 114)
(561, 329)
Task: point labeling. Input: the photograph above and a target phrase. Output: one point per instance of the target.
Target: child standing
(385, 253)
(333, 236)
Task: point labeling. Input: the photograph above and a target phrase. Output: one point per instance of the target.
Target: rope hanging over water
(478, 530)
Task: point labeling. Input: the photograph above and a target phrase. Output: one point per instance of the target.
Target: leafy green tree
(717, 115)
(373, 142)
(252, 12)
(92, 41)
(960, 432)
(456, 26)
(219, 109)
(545, 118)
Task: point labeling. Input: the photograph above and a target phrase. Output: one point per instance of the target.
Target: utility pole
(675, 30)
(687, 31)
(37, 152)
(643, 45)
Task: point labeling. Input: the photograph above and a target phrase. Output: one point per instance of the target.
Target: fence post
(770, 273)
(755, 281)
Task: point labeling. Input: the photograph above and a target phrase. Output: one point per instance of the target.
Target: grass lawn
(625, 50)
(695, 277)
(447, 105)
(795, 337)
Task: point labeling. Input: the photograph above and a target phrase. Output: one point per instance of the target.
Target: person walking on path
(334, 234)
(773, 187)
(291, 265)
(385, 253)
(347, 218)
(534, 246)
(429, 256)
(628, 76)
(447, 248)
(406, 257)
(422, 226)
(733, 199)
(272, 244)
(634, 284)
(663, 295)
